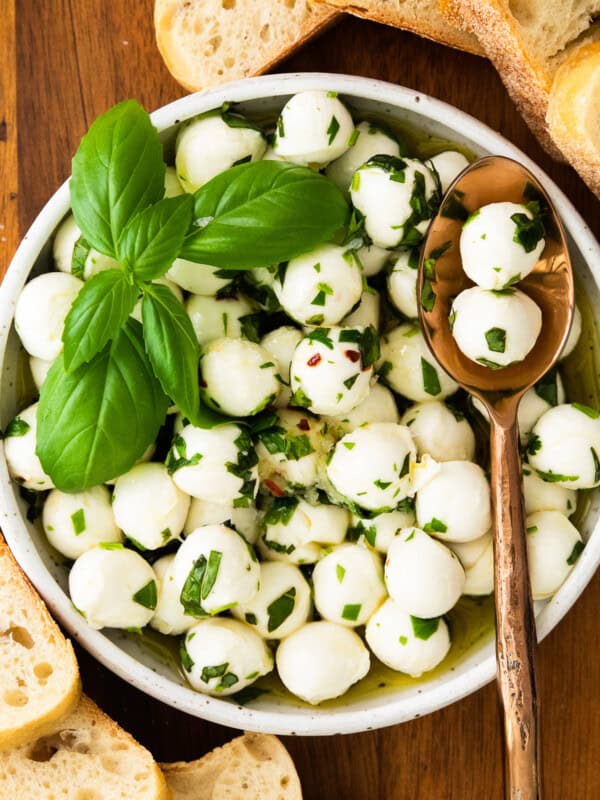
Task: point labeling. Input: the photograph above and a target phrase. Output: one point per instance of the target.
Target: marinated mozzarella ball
(149, 507)
(328, 372)
(137, 309)
(366, 313)
(382, 190)
(256, 382)
(448, 166)
(367, 140)
(348, 585)
(470, 552)
(564, 446)
(379, 406)
(282, 605)
(199, 279)
(372, 259)
(213, 318)
(19, 449)
(402, 283)
(203, 463)
(39, 369)
(495, 329)
(574, 334)
(379, 531)
(214, 569)
(543, 496)
(371, 467)
(321, 661)
(222, 656)
(169, 616)
(479, 576)
(207, 146)
(455, 504)
(313, 128)
(441, 431)
(423, 576)
(82, 261)
(290, 451)
(271, 155)
(321, 287)
(280, 344)
(113, 587)
(406, 643)
(553, 547)
(74, 523)
(410, 368)
(41, 310)
(172, 186)
(243, 520)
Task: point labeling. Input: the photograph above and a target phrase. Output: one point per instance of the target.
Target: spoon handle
(515, 621)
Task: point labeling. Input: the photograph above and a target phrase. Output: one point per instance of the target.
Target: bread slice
(255, 766)
(86, 757)
(207, 42)
(39, 677)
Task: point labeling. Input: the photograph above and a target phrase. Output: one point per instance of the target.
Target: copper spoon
(550, 285)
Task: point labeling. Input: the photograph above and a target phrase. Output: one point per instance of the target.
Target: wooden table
(62, 62)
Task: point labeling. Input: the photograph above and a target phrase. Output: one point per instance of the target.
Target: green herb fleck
(496, 340)
(78, 521)
(332, 130)
(575, 553)
(351, 612)
(424, 628)
(435, 526)
(431, 381)
(279, 610)
(16, 427)
(340, 572)
(147, 596)
(589, 412)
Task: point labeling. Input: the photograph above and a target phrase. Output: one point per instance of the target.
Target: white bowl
(121, 652)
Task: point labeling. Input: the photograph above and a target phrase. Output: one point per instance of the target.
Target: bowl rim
(286, 721)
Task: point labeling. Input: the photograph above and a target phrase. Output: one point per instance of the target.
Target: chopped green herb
(340, 571)
(511, 281)
(78, 521)
(267, 364)
(279, 610)
(212, 570)
(410, 536)
(472, 217)
(555, 477)
(496, 340)
(596, 466)
(528, 232)
(575, 553)
(214, 672)
(349, 445)
(532, 529)
(352, 139)
(349, 382)
(250, 619)
(280, 127)
(317, 319)
(321, 335)
(332, 130)
(301, 399)
(111, 546)
(431, 381)
(281, 511)
(192, 589)
(147, 596)
(16, 427)
(177, 457)
(382, 484)
(186, 660)
(485, 362)
(534, 445)
(319, 299)
(435, 526)
(547, 387)
(589, 412)
(166, 535)
(453, 207)
(351, 612)
(403, 640)
(250, 327)
(277, 440)
(227, 681)
(385, 369)
(424, 628)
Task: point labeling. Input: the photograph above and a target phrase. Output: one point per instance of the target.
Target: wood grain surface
(62, 62)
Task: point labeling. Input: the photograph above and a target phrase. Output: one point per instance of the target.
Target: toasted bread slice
(255, 766)
(39, 677)
(207, 42)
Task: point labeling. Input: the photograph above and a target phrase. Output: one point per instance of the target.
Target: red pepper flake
(304, 425)
(352, 355)
(273, 488)
(314, 360)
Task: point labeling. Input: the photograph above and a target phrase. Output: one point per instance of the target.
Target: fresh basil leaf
(424, 628)
(431, 381)
(96, 421)
(118, 170)
(496, 340)
(280, 609)
(262, 213)
(190, 597)
(100, 309)
(147, 596)
(81, 251)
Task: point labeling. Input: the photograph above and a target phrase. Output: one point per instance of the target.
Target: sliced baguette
(39, 677)
(252, 767)
(207, 42)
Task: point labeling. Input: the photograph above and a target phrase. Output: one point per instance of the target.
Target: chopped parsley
(250, 327)
(332, 130)
(349, 382)
(383, 485)
(190, 597)
(186, 660)
(301, 399)
(367, 341)
(352, 139)
(147, 596)
(435, 526)
(555, 477)
(250, 619)
(534, 445)
(405, 466)
(596, 465)
(278, 440)
(349, 445)
(528, 231)
(321, 335)
(340, 572)
(78, 521)
(496, 340)
(177, 457)
(485, 362)
(575, 553)
(532, 529)
(281, 511)
(547, 387)
(431, 381)
(212, 570)
(279, 610)
(453, 207)
(424, 628)
(351, 612)
(243, 469)
(589, 412)
(16, 427)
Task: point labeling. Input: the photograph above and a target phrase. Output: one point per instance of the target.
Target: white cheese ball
(441, 431)
(455, 504)
(543, 496)
(402, 283)
(200, 461)
(424, 577)
(367, 140)
(553, 547)
(313, 128)
(295, 529)
(379, 531)
(222, 656)
(283, 603)
(172, 186)
(280, 344)
(367, 312)
(479, 576)
(348, 585)
(243, 520)
(41, 310)
(65, 240)
(382, 191)
(410, 368)
(371, 466)
(291, 451)
(255, 385)
(199, 278)
(39, 369)
(327, 373)
(448, 166)
(231, 571)
(574, 334)
(271, 155)
(321, 661)
(175, 290)
(169, 616)
(214, 318)
(74, 523)
(470, 552)
(406, 643)
(19, 449)
(321, 287)
(149, 507)
(372, 258)
(207, 146)
(113, 587)
(564, 446)
(494, 329)
(379, 406)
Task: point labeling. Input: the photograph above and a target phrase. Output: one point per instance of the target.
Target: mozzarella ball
(255, 386)
(87, 262)
(283, 603)
(348, 585)
(169, 616)
(145, 457)
(280, 344)
(243, 520)
(495, 329)
(422, 575)
(215, 464)
(137, 309)
(479, 576)
(574, 334)
(172, 186)
(313, 128)
(470, 552)
(113, 587)
(271, 155)
(378, 406)
(382, 190)
(214, 318)
(406, 643)
(328, 374)
(366, 313)
(410, 368)
(371, 467)
(199, 278)
(149, 507)
(19, 449)
(207, 146)
(367, 140)
(39, 369)
(290, 451)
(448, 166)
(223, 656)
(74, 523)
(216, 568)
(441, 431)
(372, 259)
(553, 547)
(455, 504)
(564, 446)
(402, 283)
(41, 310)
(543, 496)
(321, 661)
(293, 527)
(379, 531)
(65, 239)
